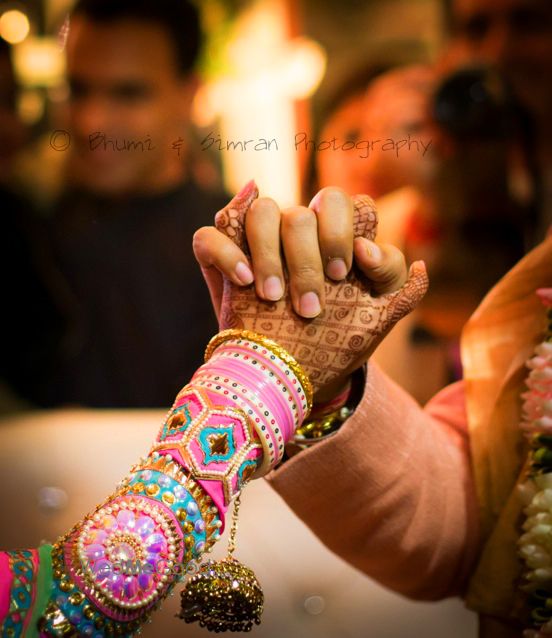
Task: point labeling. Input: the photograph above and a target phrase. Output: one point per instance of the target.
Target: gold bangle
(317, 429)
(282, 353)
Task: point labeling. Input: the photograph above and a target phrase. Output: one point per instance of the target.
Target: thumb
(404, 300)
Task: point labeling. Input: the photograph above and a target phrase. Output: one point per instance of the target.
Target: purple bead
(144, 526)
(95, 551)
(98, 536)
(146, 475)
(179, 492)
(145, 581)
(108, 523)
(199, 547)
(152, 560)
(102, 569)
(156, 543)
(126, 520)
(130, 587)
(164, 480)
(75, 616)
(199, 526)
(192, 508)
(115, 583)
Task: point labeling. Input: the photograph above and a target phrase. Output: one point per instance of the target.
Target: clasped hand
(311, 278)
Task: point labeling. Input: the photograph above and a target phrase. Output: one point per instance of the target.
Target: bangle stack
(234, 418)
(111, 570)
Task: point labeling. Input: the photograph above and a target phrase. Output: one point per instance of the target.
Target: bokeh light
(14, 26)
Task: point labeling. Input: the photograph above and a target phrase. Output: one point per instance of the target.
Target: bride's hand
(327, 312)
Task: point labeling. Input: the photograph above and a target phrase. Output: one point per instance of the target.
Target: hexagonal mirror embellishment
(189, 407)
(221, 442)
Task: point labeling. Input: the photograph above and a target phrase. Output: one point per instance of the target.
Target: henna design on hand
(353, 322)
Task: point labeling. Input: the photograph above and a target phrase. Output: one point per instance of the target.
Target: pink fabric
(420, 541)
(6, 579)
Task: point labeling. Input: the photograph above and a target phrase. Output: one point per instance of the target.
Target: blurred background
(124, 126)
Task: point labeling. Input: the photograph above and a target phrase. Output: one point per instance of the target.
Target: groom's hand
(313, 241)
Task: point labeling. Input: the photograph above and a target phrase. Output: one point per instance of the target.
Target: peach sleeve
(392, 492)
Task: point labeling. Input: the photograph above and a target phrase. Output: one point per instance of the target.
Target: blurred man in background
(138, 314)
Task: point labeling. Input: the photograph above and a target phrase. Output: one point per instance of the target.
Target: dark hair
(179, 18)
(8, 84)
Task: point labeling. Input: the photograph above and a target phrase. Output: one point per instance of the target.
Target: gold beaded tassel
(223, 595)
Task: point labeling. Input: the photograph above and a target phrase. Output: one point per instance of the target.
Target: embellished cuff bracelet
(115, 567)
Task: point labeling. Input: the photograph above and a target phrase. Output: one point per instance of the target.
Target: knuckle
(306, 272)
(333, 195)
(264, 204)
(200, 237)
(336, 243)
(299, 218)
(393, 267)
(395, 261)
(266, 264)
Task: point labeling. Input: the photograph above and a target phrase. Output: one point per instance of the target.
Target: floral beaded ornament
(535, 544)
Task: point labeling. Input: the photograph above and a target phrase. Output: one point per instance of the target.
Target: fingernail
(309, 304)
(272, 288)
(315, 201)
(336, 268)
(243, 273)
(247, 190)
(373, 250)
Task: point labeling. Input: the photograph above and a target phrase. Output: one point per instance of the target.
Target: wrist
(328, 417)
(331, 398)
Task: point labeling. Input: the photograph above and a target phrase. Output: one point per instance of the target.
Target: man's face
(513, 35)
(128, 106)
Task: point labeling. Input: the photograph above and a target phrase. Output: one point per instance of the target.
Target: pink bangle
(270, 376)
(269, 407)
(267, 366)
